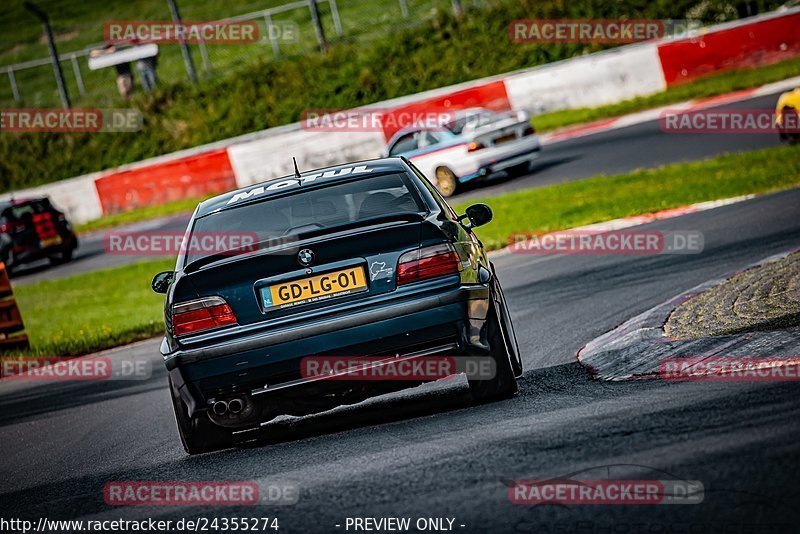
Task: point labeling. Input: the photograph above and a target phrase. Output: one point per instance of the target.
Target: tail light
(529, 130)
(43, 223)
(12, 228)
(474, 145)
(426, 263)
(200, 315)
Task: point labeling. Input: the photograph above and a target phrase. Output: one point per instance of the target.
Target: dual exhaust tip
(233, 406)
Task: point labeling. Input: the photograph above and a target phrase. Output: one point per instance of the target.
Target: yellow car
(786, 115)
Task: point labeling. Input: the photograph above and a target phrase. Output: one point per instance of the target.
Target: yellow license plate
(44, 243)
(315, 288)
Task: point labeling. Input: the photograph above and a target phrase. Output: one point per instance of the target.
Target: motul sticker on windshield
(288, 182)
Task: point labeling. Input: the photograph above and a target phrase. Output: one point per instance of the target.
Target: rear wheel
(519, 170)
(503, 385)
(61, 257)
(509, 335)
(198, 434)
(788, 131)
(446, 181)
(9, 262)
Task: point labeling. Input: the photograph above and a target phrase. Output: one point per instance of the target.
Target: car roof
(456, 114)
(276, 186)
(20, 201)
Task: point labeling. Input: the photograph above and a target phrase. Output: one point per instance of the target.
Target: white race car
(475, 144)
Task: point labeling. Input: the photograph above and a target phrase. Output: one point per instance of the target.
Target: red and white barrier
(264, 158)
(486, 94)
(746, 43)
(193, 176)
(77, 197)
(586, 81)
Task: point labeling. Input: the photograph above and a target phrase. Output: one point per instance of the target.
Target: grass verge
(98, 310)
(93, 311)
(718, 84)
(186, 205)
(602, 198)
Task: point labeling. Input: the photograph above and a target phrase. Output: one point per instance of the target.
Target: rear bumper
(490, 167)
(28, 254)
(266, 370)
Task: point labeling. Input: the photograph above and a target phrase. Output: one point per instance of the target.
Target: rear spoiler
(269, 246)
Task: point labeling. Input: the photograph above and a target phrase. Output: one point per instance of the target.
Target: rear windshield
(474, 119)
(312, 209)
(22, 212)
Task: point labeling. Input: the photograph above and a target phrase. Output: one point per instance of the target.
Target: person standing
(147, 72)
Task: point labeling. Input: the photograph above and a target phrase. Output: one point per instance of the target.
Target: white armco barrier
(76, 197)
(588, 81)
(269, 157)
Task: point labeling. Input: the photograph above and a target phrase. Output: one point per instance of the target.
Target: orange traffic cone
(12, 330)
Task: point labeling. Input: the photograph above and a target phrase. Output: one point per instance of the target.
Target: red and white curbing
(635, 220)
(639, 348)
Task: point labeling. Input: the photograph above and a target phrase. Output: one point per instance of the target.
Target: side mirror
(161, 281)
(478, 215)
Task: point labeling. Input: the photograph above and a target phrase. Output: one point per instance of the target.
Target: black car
(32, 230)
(364, 259)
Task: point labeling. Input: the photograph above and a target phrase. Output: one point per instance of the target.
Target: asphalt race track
(617, 151)
(429, 453)
(641, 146)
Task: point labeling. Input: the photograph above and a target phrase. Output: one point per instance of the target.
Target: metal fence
(33, 84)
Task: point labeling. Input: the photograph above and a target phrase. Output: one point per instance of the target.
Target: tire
(509, 335)
(197, 433)
(504, 384)
(519, 170)
(8, 261)
(446, 181)
(61, 257)
(790, 136)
